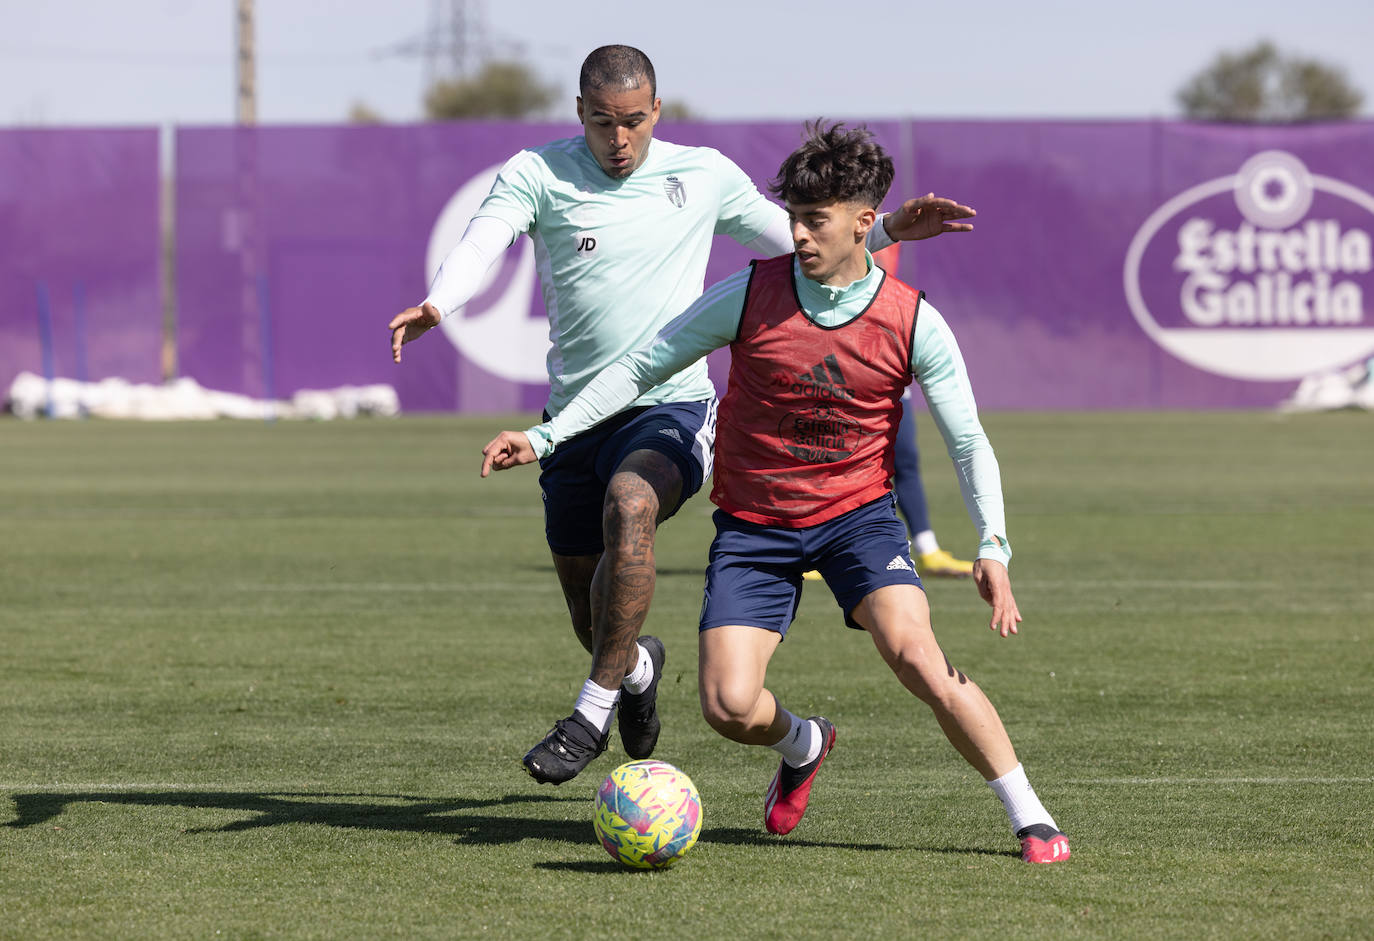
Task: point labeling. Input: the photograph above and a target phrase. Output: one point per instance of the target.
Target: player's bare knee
(727, 714)
(630, 510)
(931, 679)
(731, 726)
(713, 709)
(648, 475)
(629, 507)
(913, 657)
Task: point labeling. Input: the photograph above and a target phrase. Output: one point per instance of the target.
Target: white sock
(925, 541)
(801, 744)
(597, 704)
(1018, 797)
(639, 678)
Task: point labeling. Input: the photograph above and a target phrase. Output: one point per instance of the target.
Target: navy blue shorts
(754, 577)
(574, 477)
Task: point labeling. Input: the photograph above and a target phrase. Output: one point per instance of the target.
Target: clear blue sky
(102, 62)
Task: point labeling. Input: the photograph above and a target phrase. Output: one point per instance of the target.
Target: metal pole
(246, 97)
(254, 327)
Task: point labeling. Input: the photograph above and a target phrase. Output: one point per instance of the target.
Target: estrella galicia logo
(1261, 275)
(676, 191)
(821, 434)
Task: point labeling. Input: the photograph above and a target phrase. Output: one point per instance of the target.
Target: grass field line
(162, 514)
(545, 585)
(1197, 584)
(116, 787)
(1281, 781)
(1210, 508)
(318, 789)
(1052, 584)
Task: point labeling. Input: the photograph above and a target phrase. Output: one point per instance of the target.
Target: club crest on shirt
(676, 191)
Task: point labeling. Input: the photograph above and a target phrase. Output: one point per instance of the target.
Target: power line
(456, 42)
(77, 57)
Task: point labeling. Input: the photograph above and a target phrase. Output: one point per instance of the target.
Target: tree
(499, 90)
(674, 110)
(1261, 85)
(363, 113)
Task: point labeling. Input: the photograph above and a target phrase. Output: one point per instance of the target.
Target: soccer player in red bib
(823, 343)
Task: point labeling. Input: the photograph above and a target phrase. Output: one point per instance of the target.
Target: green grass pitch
(274, 681)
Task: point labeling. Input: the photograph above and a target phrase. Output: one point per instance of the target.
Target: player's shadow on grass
(739, 836)
(716, 835)
(733, 835)
(402, 813)
(388, 812)
(667, 571)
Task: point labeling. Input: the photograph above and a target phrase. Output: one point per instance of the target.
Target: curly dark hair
(835, 163)
(616, 67)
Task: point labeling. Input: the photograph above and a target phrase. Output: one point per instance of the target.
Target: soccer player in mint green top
(632, 245)
(622, 226)
(823, 343)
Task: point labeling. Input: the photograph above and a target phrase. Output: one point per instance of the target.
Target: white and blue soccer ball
(648, 814)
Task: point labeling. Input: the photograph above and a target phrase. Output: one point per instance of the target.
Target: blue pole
(45, 341)
(79, 331)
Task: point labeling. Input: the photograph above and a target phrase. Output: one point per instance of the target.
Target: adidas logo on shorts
(672, 433)
(899, 563)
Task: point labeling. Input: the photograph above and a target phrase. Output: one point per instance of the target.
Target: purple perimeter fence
(1113, 264)
(80, 294)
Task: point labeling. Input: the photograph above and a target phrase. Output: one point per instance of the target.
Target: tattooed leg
(645, 488)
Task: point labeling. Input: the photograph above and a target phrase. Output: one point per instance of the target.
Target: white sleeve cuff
(541, 440)
(462, 274)
(988, 549)
(878, 239)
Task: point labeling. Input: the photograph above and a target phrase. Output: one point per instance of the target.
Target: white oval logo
(500, 336)
(1269, 284)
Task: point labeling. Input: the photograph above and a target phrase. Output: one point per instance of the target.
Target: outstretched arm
(921, 218)
(711, 322)
(940, 370)
(926, 217)
(458, 279)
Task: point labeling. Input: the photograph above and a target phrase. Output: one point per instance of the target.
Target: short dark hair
(616, 67)
(835, 163)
